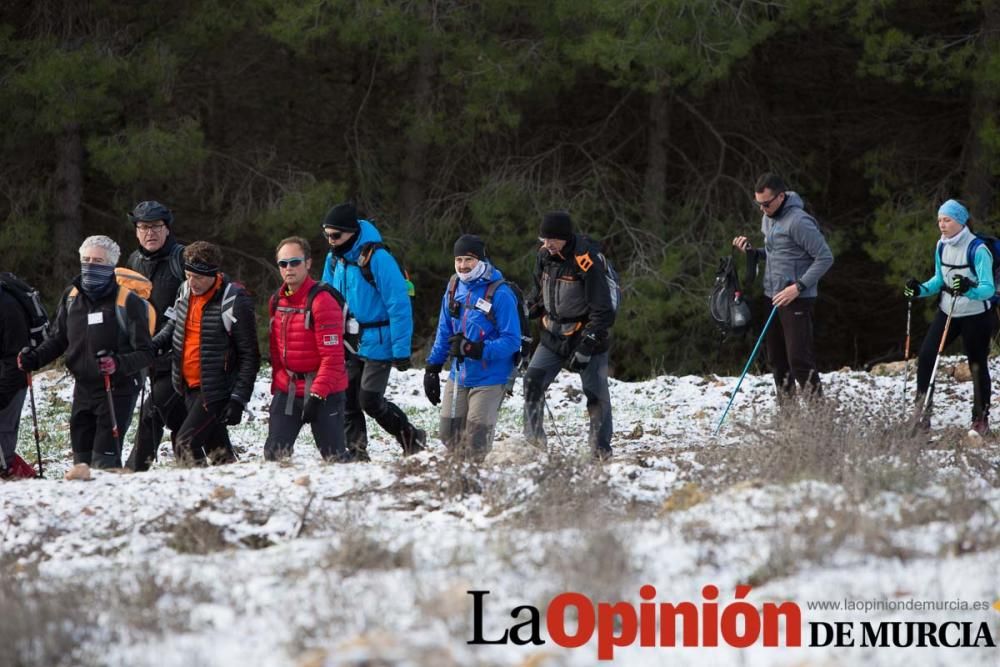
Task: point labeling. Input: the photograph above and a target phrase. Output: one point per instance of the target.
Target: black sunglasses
(334, 234)
(765, 204)
(292, 262)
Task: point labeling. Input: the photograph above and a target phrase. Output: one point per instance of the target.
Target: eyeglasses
(145, 229)
(765, 204)
(291, 261)
(333, 235)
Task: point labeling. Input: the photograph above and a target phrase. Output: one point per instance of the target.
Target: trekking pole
(906, 351)
(452, 431)
(774, 309)
(922, 410)
(552, 418)
(111, 407)
(34, 423)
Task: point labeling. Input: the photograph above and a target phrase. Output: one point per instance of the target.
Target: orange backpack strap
(584, 261)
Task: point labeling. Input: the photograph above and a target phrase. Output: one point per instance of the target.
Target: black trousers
(327, 428)
(163, 407)
(90, 424)
(367, 380)
(789, 344)
(976, 331)
(203, 437)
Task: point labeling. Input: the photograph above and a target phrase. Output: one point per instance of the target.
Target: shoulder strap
(228, 301)
(453, 305)
(491, 290)
(314, 292)
(177, 262)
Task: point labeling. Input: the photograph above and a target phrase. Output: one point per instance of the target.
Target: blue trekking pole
(753, 354)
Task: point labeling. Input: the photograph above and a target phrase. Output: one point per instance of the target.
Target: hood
(792, 200)
(367, 234)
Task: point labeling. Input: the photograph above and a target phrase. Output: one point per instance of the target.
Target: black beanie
(470, 245)
(556, 225)
(343, 216)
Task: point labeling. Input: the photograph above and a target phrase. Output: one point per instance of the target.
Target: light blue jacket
(387, 302)
(501, 340)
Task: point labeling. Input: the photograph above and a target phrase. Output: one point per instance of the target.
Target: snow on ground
(360, 564)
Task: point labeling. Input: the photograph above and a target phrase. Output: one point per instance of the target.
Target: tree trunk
(68, 226)
(655, 181)
(413, 170)
(979, 188)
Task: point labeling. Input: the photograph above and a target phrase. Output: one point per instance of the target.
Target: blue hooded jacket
(388, 301)
(502, 340)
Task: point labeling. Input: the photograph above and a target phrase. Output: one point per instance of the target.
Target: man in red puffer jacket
(309, 378)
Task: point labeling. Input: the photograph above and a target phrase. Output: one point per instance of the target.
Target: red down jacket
(296, 349)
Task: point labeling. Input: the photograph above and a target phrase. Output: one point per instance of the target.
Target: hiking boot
(600, 455)
(415, 443)
(981, 426)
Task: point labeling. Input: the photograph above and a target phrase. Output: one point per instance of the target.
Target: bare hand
(742, 243)
(786, 296)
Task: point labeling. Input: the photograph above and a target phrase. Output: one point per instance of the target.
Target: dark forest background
(648, 120)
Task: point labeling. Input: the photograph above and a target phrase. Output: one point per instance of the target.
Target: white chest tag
(484, 305)
(95, 318)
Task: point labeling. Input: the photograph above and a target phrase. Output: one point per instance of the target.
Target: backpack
(364, 263)
(31, 302)
(129, 281)
(228, 302)
(728, 308)
(454, 308)
(313, 292)
(584, 261)
(992, 244)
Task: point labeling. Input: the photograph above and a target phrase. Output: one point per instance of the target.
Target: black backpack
(728, 308)
(454, 309)
(364, 263)
(31, 303)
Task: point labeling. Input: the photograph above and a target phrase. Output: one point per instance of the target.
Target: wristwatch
(801, 285)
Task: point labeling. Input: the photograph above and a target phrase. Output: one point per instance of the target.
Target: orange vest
(191, 367)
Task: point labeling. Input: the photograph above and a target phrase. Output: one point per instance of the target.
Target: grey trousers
(468, 418)
(10, 419)
(545, 365)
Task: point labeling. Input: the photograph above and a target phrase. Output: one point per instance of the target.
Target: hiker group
(174, 318)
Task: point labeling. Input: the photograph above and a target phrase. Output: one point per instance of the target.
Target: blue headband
(955, 211)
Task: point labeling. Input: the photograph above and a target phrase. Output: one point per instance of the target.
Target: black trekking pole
(552, 418)
(34, 423)
(922, 409)
(906, 351)
(111, 405)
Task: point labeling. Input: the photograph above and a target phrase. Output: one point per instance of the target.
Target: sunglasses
(291, 261)
(333, 235)
(765, 204)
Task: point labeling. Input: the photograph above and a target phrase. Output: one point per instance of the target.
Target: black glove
(401, 364)
(578, 362)
(536, 310)
(455, 346)
(310, 408)
(27, 360)
(432, 383)
(587, 345)
(912, 288)
(961, 284)
(473, 349)
(233, 413)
